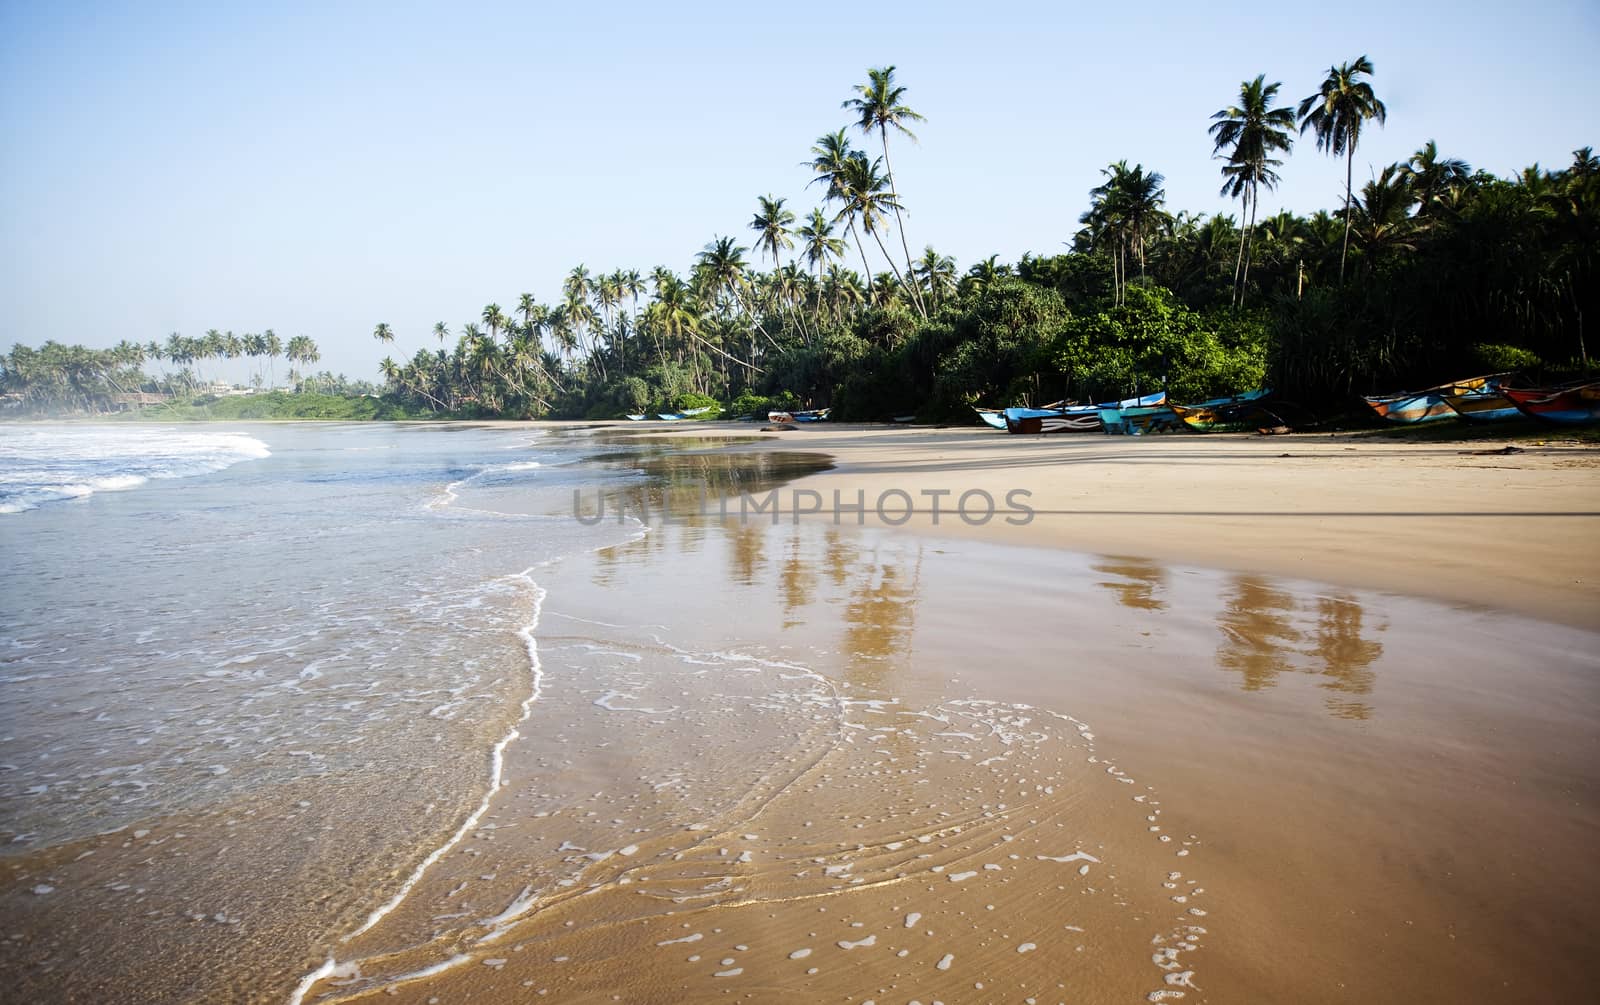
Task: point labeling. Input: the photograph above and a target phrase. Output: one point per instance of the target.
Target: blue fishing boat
(813, 415)
(1137, 420)
(1073, 418)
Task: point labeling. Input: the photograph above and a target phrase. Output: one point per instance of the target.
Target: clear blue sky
(319, 168)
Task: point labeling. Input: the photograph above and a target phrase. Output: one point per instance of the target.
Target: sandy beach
(1190, 720)
(1216, 724)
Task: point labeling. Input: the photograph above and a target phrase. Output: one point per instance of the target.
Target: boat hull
(1240, 413)
(1072, 418)
(1571, 406)
(1411, 407)
(1140, 421)
(1487, 406)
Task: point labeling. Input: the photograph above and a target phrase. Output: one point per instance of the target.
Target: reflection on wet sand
(1265, 633)
(1258, 633)
(1347, 656)
(1138, 583)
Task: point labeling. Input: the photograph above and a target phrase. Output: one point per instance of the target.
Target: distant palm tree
(1336, 113)
(1252, 131)
(383, 333)
(1431, 176)
(771, 224)
(878, 105)
(831, 157)
(866, 198)
(441, 331)
(936, 273)
(817, 241)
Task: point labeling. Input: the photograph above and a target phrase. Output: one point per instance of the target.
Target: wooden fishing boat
(1487, 405)
(1140, 419)
(1072, 418)
(1427, 405)
(1569, 405)
(996, 417)
(635, 418)
(992, 417)
(1238, 413)
(814, 415)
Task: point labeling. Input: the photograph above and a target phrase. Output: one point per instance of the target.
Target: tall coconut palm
(1336, 114)
(383, 333)
(878, 105)
(441, 331)
(1251, 131)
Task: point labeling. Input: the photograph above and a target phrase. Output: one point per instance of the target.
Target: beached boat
(1137, 420)
(1238, 413)
(636, 418)
(1427, 405)
(1569, 405)
(1072, 418)
(1488, 405)
(814, 415)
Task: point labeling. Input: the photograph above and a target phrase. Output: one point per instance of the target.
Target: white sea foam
(40, 465)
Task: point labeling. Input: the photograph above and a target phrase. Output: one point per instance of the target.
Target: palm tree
(1252, 130)
(817, 241)
(771, 224)
(936, 273)
(878, 105)
(441, 331)
(1336, 113)
(383, 333)
(866, 196)
(831, 158)
(1429, 176)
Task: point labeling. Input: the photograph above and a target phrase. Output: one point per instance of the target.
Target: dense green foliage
(284, 405)
(1430, 271)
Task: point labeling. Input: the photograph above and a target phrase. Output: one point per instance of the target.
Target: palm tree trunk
(893, 267)
(866, 269)
(1349, 166)
(1249, 246)
(1238, 262)
(888, 168)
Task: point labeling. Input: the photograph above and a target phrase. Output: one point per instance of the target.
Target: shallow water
(377, 712)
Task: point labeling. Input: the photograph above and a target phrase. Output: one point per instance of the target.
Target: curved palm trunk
(866, 269)
(888, 168)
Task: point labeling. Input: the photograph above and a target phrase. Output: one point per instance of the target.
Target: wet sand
(800, 762)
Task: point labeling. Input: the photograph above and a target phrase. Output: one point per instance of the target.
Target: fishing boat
(996, 417)
(1073, 418)
(1412, 407)
(1137, 420)
(1238, 413)
(635, 418)
(691, 412)
(1488, 405)
(669, 416)
(992, 417)
(813, 415)
(1569, 405)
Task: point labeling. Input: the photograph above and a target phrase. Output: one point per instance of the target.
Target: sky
(319, 168)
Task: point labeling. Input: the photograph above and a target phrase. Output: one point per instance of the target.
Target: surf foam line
(496, 783)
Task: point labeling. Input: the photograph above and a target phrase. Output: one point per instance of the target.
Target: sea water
(246, 639)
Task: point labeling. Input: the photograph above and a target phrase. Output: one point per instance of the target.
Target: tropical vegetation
(1428, 271)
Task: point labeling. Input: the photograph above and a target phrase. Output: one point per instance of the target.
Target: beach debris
(1509, 448)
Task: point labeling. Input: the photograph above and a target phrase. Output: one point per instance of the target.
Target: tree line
(1428, 271)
